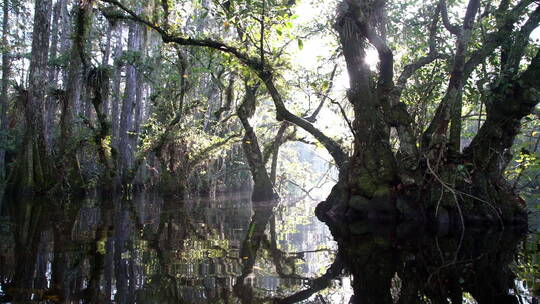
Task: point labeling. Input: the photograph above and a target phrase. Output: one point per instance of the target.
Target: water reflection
(408, 264)
(150, 250)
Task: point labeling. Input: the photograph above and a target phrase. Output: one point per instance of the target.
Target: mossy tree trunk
(33, 171)
(470, 185)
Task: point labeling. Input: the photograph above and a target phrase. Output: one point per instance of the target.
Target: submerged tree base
(451, 208)
(408, 263)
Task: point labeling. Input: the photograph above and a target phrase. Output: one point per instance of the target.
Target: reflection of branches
(280, 258)
(317, 284)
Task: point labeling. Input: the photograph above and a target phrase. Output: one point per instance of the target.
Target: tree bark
(50, 106)
(263, 190)
(33, 171)
(4, 87)
(115, 117)
(127, 138)
(78, 64)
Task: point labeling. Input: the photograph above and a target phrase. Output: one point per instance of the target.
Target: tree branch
(386, 58)
(454, 29)
(495, 39)
(203, 154)
(262, 71)
(433, 55)
(313, 116)
(450, 106)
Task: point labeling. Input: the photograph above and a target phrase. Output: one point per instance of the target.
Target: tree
(33, 166)
(411, 179)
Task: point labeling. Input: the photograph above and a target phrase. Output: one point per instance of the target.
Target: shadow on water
(407, 264)
(151, 250)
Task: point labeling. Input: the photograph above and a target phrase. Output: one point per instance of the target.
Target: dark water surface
(229, 250)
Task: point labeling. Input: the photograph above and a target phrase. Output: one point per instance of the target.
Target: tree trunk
(105, 107)
(4, 88)
(127, 138)
(373, 167)
(263, 190)
(33, 170)
(50, 106)
(115, 117)
(78, 64)
(278, 141)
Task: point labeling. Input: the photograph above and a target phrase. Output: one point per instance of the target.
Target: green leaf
(300, 44)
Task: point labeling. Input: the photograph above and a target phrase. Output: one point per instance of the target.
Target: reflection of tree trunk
(43, 260)
(317, 284)
(99, 256)
(29, 218)
(120, 261)
(108, 268)
(61, 282)
(250, 247)
(427, 267)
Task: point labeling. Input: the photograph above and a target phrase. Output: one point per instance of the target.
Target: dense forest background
(100, 102)
(423, 100)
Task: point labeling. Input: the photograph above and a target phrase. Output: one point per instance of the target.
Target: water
(229, 250)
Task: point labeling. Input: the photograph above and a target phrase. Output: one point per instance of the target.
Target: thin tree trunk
(128, 140)
(50, 107)
(74, 88)
(105, 107)
(4, 88)
(263, 189)
(65, 41)
(140, 88)
(278, 141)
(116, 88)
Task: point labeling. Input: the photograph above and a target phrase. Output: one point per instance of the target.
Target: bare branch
(454, 29)
(313, 116)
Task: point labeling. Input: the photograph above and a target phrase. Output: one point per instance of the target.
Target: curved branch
(332, 146)
(313, 116)
(508, 104)
(317, 284)
(521, 41)
(386, 58)
(454, 29)
(256, 65)
(451, 103)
